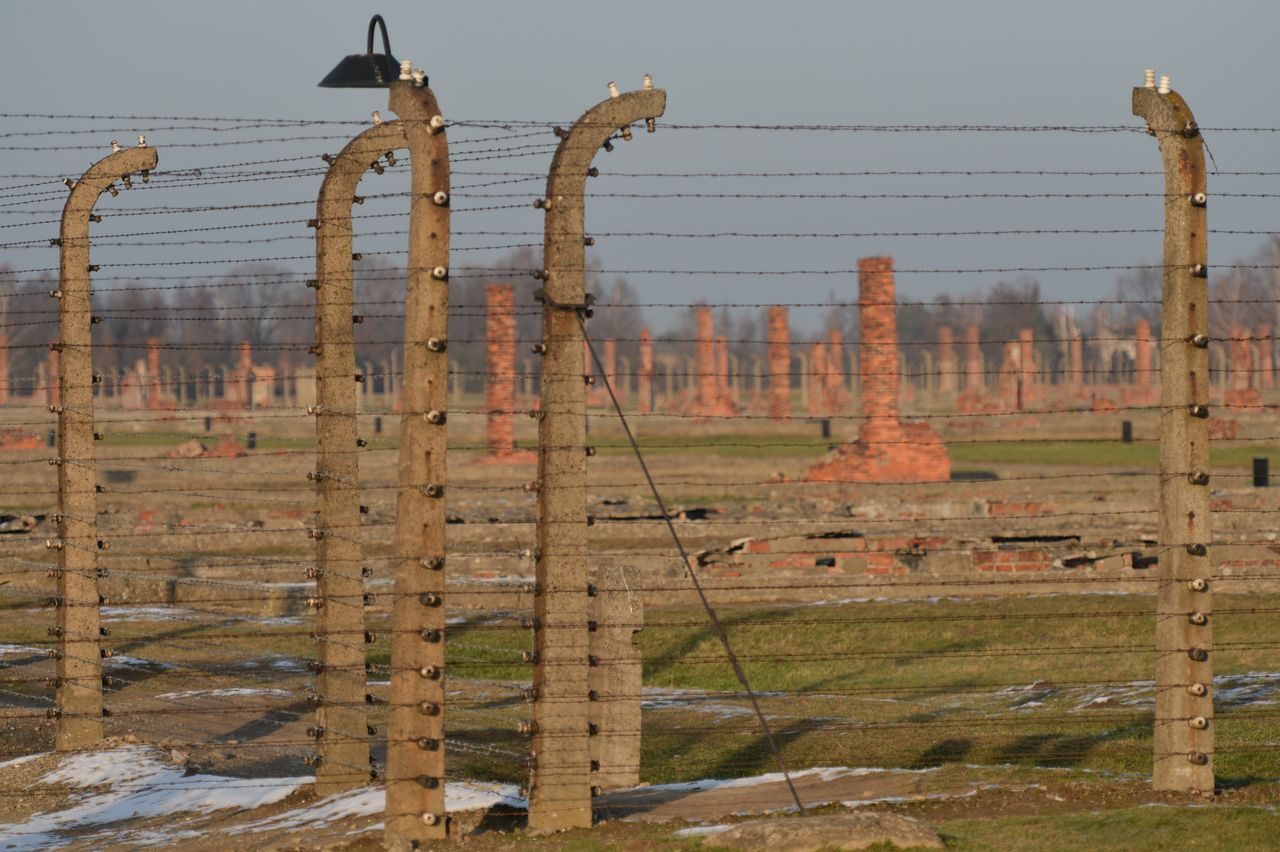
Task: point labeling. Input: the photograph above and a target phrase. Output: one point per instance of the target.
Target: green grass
(1190, 828)
(911, 685)
(1093, 453)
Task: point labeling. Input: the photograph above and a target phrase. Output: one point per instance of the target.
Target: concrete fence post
(341, 731)
(614, 680)
(79, 678)
(560, 792)
(415, 731)
(1184, 726)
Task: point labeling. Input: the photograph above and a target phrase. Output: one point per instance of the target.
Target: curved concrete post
(1184, 727)
(415, 728)
(560, 795)
(79, 681)
(341, 717)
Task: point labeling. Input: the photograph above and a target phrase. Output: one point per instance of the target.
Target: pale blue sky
(736, 62)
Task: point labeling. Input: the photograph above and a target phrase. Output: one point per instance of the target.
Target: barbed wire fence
(882, 501)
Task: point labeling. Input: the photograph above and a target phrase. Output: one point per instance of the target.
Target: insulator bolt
(1198, 618)
(1200, 341)
(440, 273)
(436, 123)
(1199, 690)
(1199, 584)
(1198, 722)
(441, 198)
(1199, 200)
(1198, 477)
(435, 417)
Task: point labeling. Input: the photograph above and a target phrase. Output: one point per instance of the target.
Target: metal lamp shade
(366, 70)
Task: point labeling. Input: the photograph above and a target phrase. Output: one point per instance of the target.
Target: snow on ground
(458, 796)
(14, 650)
(229, 692)
(139, 784)
(823, 773)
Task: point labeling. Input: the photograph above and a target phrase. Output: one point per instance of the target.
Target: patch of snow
(20, 760)
(458, 796)
(702, 830)
(147, 613)
(13, 650)
(916, 797)
(823, 773)
(134, 662)
(139, 785)
(221, 693)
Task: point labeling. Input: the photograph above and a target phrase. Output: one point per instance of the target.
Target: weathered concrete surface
(1184, 730)
(841, 831)
(560, 795)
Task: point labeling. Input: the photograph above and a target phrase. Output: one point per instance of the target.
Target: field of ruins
(735, 473)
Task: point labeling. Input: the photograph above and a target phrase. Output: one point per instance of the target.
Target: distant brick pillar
(155, 392)
(1266, 364)
(887, 450)
(1076, 379)
(946, 360)
(244, 375)
(4, 368)
(1007, 379)
(1142, 370)
(500, 385)
(779, 364)
(706, 360)
(1239, 358)
(814, 377)
(835, 371)
(722, 373)
(644, 379)
(974, 378)
(1027, 370)
(52, 388)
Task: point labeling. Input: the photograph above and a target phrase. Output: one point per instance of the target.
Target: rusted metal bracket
(560, 791)
(342, 739)
(79, 690)
(1184, 728)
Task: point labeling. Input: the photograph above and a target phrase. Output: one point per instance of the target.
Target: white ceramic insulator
(406, 70)
(377, 118)
(1149, 78)
(142, 141)
(419, 77)
(115, 147)
(1164, 85)
(648, 81)
(437, 122)
(613, 90)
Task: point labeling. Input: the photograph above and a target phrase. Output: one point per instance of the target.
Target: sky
(743, 63)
